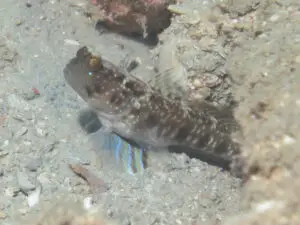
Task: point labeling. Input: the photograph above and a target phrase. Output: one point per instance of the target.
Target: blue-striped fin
(124, 151)
(131, 156)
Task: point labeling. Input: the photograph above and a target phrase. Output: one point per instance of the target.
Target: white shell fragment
(34, 197)
(71, 42)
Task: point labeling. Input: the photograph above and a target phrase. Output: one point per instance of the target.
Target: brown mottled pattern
(137, 16)
(139, 112)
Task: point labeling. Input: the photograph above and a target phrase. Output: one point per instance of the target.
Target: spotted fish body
(134, 110)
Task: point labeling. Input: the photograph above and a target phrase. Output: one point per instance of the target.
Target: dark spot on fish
(203, 139)
(183, 132)
(124, 93)
(130, 85)
(88, 91)
(221, 148)
(89, 121)
(156, 100)
(133, 86)
(151, 120)
(99, 89)
(119, 78)
(115, 99)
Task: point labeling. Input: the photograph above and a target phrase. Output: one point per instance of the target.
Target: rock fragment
(141, 19)
(12, 191)
(96, 184)
(22, 131)
(24, 182)
(40, 129)
(16, 102)
(34, 197)
(3, 215)
(34, 164)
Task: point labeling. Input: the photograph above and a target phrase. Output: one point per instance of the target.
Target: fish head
(96, 81)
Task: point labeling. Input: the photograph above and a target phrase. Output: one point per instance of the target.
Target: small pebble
(41, 132)
(23, 211)
(182, 159)
(21, 132)
(43, 17)
(178, 221)
(274, 18)
(288, 140)
(2, 215)
(34, 164)
(88, 203)
(34, 197)
(3, 153)
(19, 22)
(24, 183)
(28, 96)
(28, 5)
(126, 221)
(4, 145)
(16, 102)
(49, 147)
(71, 42)
(22, 117)
(18, 117)
(12, 191)
(133, 64)
(297, 59)
(110, 213)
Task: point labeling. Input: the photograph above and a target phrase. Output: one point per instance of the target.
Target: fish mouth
(77, 71)
(75, 84)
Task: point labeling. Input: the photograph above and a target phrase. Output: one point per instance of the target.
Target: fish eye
(95, 62)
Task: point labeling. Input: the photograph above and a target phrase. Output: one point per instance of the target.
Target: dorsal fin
(171, 79)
